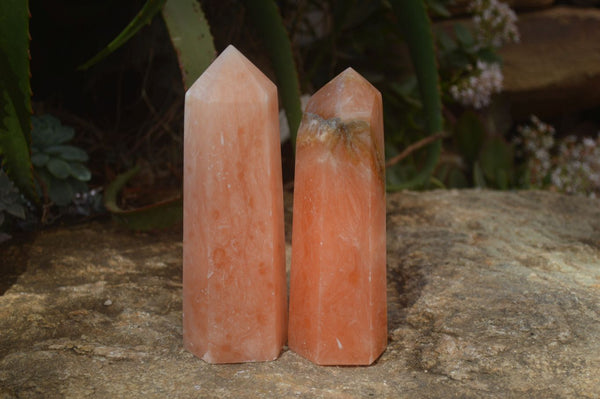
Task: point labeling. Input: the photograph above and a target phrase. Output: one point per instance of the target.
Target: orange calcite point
(338, 284)
(234, 284)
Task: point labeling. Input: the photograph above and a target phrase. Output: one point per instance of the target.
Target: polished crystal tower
(234, 284)
(338, 273)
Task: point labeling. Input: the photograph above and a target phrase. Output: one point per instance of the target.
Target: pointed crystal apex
(350, 97)
(230, 78)
(347, 96)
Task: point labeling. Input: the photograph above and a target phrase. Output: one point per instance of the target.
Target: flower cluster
(535, 142)
(495, 23)
(477, 88)
(572, 165)
(577, 166)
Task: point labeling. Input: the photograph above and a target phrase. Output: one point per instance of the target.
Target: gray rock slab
(490, 295)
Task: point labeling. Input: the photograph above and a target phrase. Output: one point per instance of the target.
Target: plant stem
(415, 146)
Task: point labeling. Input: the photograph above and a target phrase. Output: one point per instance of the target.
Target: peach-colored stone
(338, 283)
(234, 287)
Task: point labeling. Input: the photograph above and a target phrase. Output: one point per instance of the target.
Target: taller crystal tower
(234, 284)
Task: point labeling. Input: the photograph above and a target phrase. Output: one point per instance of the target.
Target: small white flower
(495, 23)
(476, 89)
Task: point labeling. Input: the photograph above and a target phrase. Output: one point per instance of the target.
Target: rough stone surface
(556, 66)
(490, 295)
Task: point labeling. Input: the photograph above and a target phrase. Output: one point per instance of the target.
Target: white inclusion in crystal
(339, 343)
(208, 357)
(229, 186)
(222, 139)
(210, 274)
(321, 243)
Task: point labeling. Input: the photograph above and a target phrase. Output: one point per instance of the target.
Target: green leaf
(150, 9)
(48, 131)
(464, 36)
(160, 215)
(60, 192)
(58, 168)
(80, 172)
(39, 159)
(67, 152)
(488, 55)
(446, 43)
(10, 199)
(469, 134)
(457, 60)
(496, 161)
(457, 179)
(77, 186)
(190, 35)
(16, 209)
(416, 26)
(15, 94)
(478, 178)
(438, 8)
(502, 179)
(43, 179)
(268, 23)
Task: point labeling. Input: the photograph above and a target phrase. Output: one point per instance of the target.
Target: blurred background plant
(98, 123)
(59, 166)
(570, 164)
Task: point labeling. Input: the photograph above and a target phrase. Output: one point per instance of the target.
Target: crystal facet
(338, 282)
(234, 285)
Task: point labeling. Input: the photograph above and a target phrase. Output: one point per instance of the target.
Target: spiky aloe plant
(416, 26)
(15, 93)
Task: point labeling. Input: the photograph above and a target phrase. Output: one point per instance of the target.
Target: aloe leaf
(142, 18)
(268, 23)
(15, 95)
(416, 27)
(156, 216)
(190, 35)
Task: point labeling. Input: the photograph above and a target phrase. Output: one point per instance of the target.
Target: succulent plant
(11, 201)
(58, 165)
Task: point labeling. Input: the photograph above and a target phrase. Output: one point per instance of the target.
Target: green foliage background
(364, 34)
